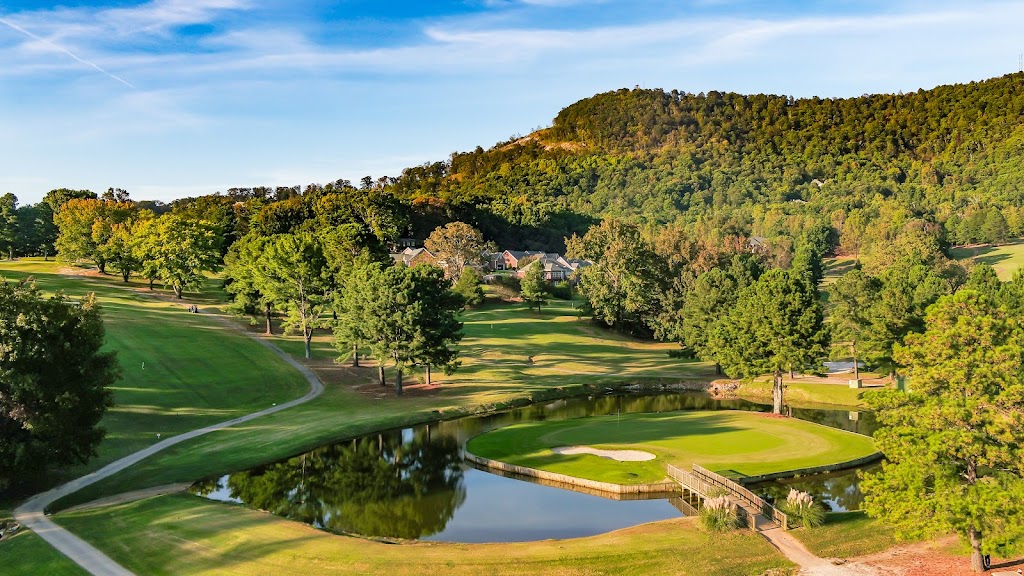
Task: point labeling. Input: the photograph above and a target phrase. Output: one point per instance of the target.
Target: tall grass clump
(716, 514)
(802, 510)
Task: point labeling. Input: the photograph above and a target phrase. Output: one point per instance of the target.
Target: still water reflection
(413, 483)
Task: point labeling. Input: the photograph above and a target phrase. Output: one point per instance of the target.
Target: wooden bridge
(750, 509)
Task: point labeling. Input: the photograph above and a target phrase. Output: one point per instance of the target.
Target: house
(512, 257)
(574, 264)
(394, 246)
(556, 268)
(413, 256)
(757, 243)
(494, 260)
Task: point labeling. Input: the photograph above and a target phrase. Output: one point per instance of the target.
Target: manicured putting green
(733, 443)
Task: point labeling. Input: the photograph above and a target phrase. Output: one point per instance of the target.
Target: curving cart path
(31, 514)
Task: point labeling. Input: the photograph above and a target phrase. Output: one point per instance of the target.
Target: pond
(413, 483)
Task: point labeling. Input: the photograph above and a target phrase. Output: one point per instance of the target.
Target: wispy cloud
(65, 51)
(223, 83)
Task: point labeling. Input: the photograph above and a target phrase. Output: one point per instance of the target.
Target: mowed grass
(28, 554)
(1006, 259)
(181, 371)
(847, 535)
(733, 443)
(808, 393)
(183, 534)
(570, 355)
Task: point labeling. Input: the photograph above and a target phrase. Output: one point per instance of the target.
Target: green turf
(733, 443)
(807, 393)
(187, 535)
(569, 355)
(1006, 259)
(847, 535)
(181, 371)
(26, 554)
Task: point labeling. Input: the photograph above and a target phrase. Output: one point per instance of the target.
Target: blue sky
(171, 98)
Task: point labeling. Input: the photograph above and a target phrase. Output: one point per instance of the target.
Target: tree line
(734, 302)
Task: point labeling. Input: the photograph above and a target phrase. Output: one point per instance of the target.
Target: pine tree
(953, 443)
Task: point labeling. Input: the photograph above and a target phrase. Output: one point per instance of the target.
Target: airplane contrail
(92, 65)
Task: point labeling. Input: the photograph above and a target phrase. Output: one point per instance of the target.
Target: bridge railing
(717, 480)
(687, 479)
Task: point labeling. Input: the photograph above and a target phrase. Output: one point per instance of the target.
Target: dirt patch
(620, 455)
(933, 558)
(131, 496)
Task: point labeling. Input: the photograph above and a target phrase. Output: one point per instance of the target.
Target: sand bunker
(620, 455)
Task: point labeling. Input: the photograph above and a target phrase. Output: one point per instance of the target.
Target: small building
(513, 257)
(413, 256)
(556, 268)
(494, 261)
(396, 246)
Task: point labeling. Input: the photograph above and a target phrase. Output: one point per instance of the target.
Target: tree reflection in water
(376, 486)
(837, 491)
(409, 483)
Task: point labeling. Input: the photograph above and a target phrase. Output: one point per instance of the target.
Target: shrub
(510, 281)
(469, 287)
(561, 290)
(716, 514)
(802, 510)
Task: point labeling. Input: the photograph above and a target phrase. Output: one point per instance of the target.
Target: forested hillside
(947, 163)
(756, 165)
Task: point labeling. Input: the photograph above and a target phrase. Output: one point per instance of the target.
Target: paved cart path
(31, 514)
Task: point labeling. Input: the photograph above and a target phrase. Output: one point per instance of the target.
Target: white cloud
(275, 104)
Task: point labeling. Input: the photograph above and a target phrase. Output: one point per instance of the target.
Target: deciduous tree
(468, 286)
(242, 269)
(84, 225)
(177, 250)
(54, 382)
(623, 285)
(292, 273)
(405, 315)
(457, 245)
(533, 286)
(8, 224)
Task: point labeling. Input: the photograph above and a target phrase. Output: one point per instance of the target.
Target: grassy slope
(187, 535)
(496, 370)
(1006, 259)
(26, 553)
(181, 371)
(804, 393)
(733, 443)
(846, 535)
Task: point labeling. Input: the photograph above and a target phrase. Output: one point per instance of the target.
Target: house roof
(409, 254)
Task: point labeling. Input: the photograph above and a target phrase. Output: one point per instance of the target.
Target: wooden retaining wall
(572, 481)
(869, 459)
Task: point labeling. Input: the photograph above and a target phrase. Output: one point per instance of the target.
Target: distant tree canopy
(763, 165)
